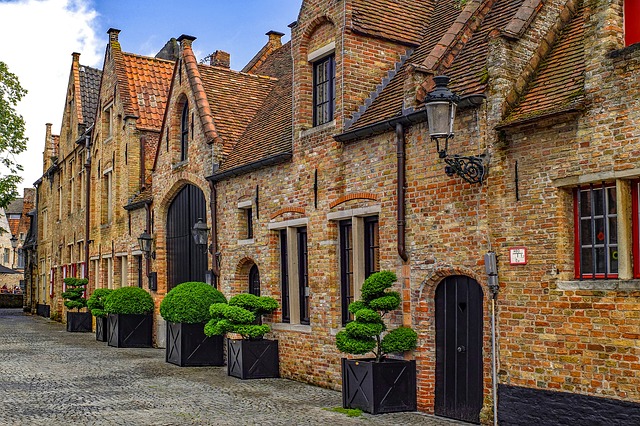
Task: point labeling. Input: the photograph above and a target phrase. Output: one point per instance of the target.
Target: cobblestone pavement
(51, 377)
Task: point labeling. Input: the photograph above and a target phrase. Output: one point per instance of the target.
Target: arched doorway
(254, 280)
(459, 321)
(185, 260)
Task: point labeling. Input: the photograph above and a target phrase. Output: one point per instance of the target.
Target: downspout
(400, 145)
(147, 210)
(87, 206)
(213, 249)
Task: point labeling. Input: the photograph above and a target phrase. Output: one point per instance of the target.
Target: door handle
(461, 349)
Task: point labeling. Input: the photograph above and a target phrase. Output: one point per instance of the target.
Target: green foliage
(350, 412)
(95, 303)
(129, 300)
(240, 316)
(189, 303)
(399, 340)
(74, 295)
(12, 139)
(364, 333)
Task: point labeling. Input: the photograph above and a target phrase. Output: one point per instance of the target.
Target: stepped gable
(558, 84)
(148, 80)
(401, 21)
(269, 133)
(388, 99)
(89, 92)
(234, 98)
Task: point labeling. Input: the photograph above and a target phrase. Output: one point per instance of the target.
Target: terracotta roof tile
(89, 92)
(269, 132)
(148, 80)
(399, 20)
(234, 99)
(559, 81)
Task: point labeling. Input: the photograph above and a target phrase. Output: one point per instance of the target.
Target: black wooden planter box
(79, 322)
(188, 346)
(101, 329)
(379, 387)
(43, 310)
(253, 359)
(129, 330)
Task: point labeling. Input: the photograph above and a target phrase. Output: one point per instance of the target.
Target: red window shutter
(631, 22)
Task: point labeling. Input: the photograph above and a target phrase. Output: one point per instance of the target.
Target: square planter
(79, 322)
(253, 359)
(188, 346)
(101, 329)
(379, 387)
(129, 330)
(43, 310)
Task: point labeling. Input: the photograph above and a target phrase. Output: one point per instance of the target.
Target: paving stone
(49, 376)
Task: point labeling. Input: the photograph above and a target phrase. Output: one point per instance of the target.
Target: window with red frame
(596, 232)
(631, 22)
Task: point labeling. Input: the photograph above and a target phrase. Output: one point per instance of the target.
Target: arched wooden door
(254, 280)
(185, 260)
(458, 392)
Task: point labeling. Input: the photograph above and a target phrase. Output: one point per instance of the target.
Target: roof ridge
(266, 77)
(522, 19)
(147, 57)
(379, 88)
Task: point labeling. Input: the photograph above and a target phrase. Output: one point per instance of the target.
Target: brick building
(313, 167)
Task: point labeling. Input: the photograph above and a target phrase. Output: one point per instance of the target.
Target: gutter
(237, 171)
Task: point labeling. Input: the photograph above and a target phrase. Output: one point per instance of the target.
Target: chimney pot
(185, 40)
(275, 38)
(220, 58)
(113, 34)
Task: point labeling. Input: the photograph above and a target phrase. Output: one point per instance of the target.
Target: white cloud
(38, 38)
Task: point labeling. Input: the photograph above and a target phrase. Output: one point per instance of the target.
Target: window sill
(179, 164)
(283, 326)
(600, 285)
(246, 242)
(317, 129)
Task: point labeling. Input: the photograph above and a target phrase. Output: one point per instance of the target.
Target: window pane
(613, 260)
(611, 201)
(585, 204)
(613, 230)
(598, 202)
(585, 232)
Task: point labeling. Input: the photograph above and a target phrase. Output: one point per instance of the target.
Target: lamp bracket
(470, 168)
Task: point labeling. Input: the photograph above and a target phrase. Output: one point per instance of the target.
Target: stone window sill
(600, 285)
(246, 242)
(179, 164)
(283, 326)
(326, 126)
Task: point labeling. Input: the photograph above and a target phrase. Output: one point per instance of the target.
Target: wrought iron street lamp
(200, 233)
(14, 245)
(441, 105)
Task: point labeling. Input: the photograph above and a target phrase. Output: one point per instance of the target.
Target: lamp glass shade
(200, 233)
(441, 116)
(14, 241)
(145, 242)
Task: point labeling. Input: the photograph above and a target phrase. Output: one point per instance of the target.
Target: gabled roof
(269, 133)
(558, 84)
(148, 80)
(15, 207)
(397, 20)
(455, 43)
(89, 92)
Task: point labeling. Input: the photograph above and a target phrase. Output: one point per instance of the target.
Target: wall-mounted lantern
(200, 233)
(145, 240)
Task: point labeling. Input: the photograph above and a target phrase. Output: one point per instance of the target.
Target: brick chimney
(113, 35)
(50, 148)
(275, 39)
(220, 58)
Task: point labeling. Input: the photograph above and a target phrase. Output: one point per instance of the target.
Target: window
(184, 132)
(45, 223)
(596, 231)
(107, 197)
(631, 22)
(246, 221)
(254, 281)
(139, 271)
(124, 271)
(359, 252)
(6, 256)
(107, 122)
(303, 275)
(249, 217)
(284, 275)
(323, 90)
(20, 259)
(72, 189)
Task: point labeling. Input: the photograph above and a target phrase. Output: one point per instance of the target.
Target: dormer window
(184, 132)
(323, 90)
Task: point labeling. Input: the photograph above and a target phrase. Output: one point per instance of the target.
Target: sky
(39, 36)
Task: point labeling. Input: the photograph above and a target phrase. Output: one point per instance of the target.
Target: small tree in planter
(95, 303)
(186, 310)
(74, 299)
(377, 385)
(130, 318)
(251, 356)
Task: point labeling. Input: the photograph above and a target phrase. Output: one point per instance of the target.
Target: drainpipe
(213, 249)
(147, 210)
(491, 268)
(400, 143)
(87, 204)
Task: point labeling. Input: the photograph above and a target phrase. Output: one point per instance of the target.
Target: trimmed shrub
(74, 295)
(189, 303)
(129, 300)
(95, 303)
(364, 334)
(240, 315)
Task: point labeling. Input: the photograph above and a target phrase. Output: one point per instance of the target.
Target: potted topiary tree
(95, 303)
(380, 384)
(250, 356)
(129, 318)
(186, 310)
(74, 298)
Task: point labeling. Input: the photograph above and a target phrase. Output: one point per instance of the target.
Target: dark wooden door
(459, 349)
(185, 260)
(254, 281)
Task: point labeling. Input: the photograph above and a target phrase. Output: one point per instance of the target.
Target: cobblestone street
(49, 376)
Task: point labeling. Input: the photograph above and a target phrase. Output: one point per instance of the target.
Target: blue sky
(39, 37)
